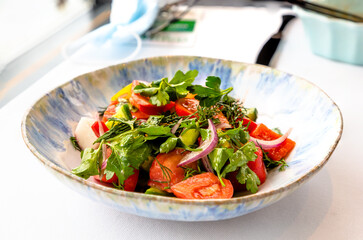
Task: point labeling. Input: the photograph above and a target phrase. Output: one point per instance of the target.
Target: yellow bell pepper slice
(125, 91)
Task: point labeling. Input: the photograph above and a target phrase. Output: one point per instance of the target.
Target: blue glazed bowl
(333, 38)
(283, 101)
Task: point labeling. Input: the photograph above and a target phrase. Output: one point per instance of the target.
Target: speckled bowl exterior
(333, 38)
(282, 100)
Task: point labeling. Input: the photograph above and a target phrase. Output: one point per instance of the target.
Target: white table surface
(35, 205)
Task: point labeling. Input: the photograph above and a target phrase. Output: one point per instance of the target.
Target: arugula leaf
(89, 164)
(218, 158)
(211, 93)
(168, 145)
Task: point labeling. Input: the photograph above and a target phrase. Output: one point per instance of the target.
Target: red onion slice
(207, 146)
(206, 164)
(271, 144)
(176, 126)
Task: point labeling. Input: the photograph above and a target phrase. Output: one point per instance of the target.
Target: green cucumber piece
(156, 191)
(252, 113)
(189, 136)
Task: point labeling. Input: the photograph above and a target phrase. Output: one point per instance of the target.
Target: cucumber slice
(189, 136)
(252, 113)
(156, 191)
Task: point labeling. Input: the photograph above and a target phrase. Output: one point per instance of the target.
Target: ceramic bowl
(333, 38)
(283, 101)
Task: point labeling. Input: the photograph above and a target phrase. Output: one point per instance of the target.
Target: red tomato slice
(276, 154)
(110, 111)
(140, 115)
(131, 182)
(203, 186)
(251, 124)
(159, 177)
(169, 106)
(114, 179)
(186, 106)
(258, 166)
(96, 128)
(142, 103)
(223, 120)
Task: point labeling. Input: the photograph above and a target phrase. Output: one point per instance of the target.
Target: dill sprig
(232, 110)
(101, 111)
(75, 143)
(166, 173)
(270, 164)
(205, 113)
(116, 130)
(190, 172)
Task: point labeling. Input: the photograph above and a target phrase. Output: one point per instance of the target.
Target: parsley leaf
(237, 135)
(211, 93)
(127, 155)
(89, 164)
(180, 82)
(238, 161)
(161, 92)
(218, 158)
(161, 98)
(248, 177)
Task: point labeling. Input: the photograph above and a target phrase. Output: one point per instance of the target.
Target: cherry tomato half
(186, 106)
(142, 103)
(203, 186)
(164, 172)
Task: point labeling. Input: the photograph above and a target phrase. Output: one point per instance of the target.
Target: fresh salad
(174, 138)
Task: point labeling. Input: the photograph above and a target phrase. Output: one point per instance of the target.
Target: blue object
(333, 38)
(117, 41)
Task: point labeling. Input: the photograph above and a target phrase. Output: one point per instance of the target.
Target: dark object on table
(268, 50)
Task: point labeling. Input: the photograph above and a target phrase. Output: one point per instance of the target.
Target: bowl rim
(197, 202)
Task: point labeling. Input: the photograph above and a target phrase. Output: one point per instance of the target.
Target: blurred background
(34, 32)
